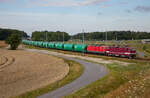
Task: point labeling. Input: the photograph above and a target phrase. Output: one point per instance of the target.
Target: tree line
(50, 36)
(109, 35)
(5, 33)
(113, 35)
(60, 36)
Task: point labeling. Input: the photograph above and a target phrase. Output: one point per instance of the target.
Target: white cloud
(66, 3)
(7, 1)
(142, 8)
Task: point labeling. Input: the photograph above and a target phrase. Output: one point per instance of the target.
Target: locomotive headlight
(107, 51)
(126, 53)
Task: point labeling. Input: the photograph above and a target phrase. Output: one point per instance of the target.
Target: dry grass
(135, 88)
(26, 71)
(75, 70)
(3, 60)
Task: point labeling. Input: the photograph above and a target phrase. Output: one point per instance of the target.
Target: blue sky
(74, 15)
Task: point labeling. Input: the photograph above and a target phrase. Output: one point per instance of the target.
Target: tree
(5, 33)
(50, 36)
(113, 35)
(14, 40)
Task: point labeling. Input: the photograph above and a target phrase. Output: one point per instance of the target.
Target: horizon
(75, 33)
(73, 16)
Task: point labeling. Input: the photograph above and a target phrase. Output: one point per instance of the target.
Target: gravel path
(141, 54)
(91, 73)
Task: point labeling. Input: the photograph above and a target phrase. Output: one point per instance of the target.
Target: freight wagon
(98, 49)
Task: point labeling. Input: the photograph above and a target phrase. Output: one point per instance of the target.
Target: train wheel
(121, 56)
(133, 57)
(106, 54)
(130, 57)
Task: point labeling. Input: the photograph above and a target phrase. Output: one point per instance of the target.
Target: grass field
(24, 71)
(118, 81)
(122, 81)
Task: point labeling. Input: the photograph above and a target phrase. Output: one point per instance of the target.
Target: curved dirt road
(91, 73)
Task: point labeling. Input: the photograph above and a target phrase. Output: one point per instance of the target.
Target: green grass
(143, 48)
(119, 75)
(75, 70)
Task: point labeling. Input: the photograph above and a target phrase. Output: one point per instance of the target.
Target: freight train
(96, 49)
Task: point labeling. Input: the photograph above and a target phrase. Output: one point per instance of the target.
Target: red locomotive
(97, 49)
(113, 51)
(121, 51)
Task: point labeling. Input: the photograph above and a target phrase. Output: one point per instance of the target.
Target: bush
(144, 47)
(14, 40)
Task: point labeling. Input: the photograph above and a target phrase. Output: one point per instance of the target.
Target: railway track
(121, 58)
(143, 59)
(98, 55)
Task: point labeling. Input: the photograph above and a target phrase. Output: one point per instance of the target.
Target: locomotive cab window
(132, 49)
